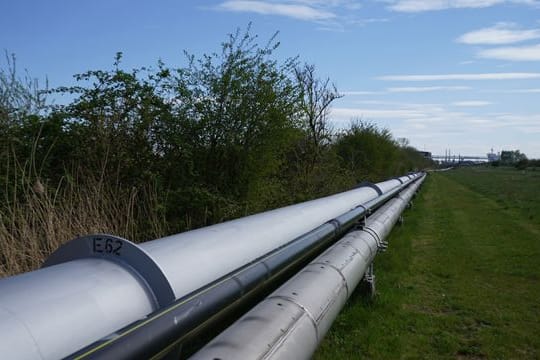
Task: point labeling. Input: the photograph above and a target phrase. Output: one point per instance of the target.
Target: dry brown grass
(35, 218)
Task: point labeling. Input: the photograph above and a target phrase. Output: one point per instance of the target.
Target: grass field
(461, 278)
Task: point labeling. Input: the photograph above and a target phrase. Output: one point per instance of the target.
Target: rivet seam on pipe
(302, 307)
(325, 311)
(345, 242)
(343, 278)
(349, 242)
(371, 253)
(274, 346)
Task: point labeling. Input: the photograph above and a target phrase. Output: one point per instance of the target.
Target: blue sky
(458, 74)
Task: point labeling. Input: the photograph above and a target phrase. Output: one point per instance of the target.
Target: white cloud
(420, 89)
(530, 129)
(512, 53)
(370, 102)
(437, 127)
(431, 5)
(471, 103)
(501, 33)
(330, 15)
(347, 4)
(346, 114)
(523, 91)
(414, 6)
(444, 77)
(360, 93)
(296, 11)
(367, 21)
(409, 89)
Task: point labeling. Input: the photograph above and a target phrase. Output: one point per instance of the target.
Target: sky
(462, 75)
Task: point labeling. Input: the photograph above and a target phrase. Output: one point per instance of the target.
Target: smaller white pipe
(291, 322)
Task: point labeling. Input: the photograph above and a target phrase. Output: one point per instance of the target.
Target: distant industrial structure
(506, 157)
(449, 158)
(493, 157)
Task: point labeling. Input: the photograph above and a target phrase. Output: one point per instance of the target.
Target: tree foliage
(230, 133)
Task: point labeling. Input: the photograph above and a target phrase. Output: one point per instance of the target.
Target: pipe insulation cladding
(291, 322)
(95, 285)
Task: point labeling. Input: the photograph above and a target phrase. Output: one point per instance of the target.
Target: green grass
(461, 278)
(515, 191)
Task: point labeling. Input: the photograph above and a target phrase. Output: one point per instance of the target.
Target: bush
(146, 152)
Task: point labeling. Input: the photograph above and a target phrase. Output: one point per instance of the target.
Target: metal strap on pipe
(371, 185)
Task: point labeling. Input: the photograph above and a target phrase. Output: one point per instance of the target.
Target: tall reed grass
(36, 217)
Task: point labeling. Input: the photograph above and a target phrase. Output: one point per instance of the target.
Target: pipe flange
(120, 251)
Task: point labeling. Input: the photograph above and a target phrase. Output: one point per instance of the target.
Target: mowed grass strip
(460, 280)
(515, 191)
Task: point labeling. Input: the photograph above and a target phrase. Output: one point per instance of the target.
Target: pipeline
(97, 284)
(160, 331)
(291, 322)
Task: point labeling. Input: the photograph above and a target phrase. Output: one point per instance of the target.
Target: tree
(512, 157)
(19, 97)
(113, 121)
(312, 168)
(243, 103)
(367, 151)
(316, 98)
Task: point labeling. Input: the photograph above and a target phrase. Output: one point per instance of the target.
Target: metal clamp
(382, 245)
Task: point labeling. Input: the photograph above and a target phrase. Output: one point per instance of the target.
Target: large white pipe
(100, 283)
(219, 249)
(291, 322)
